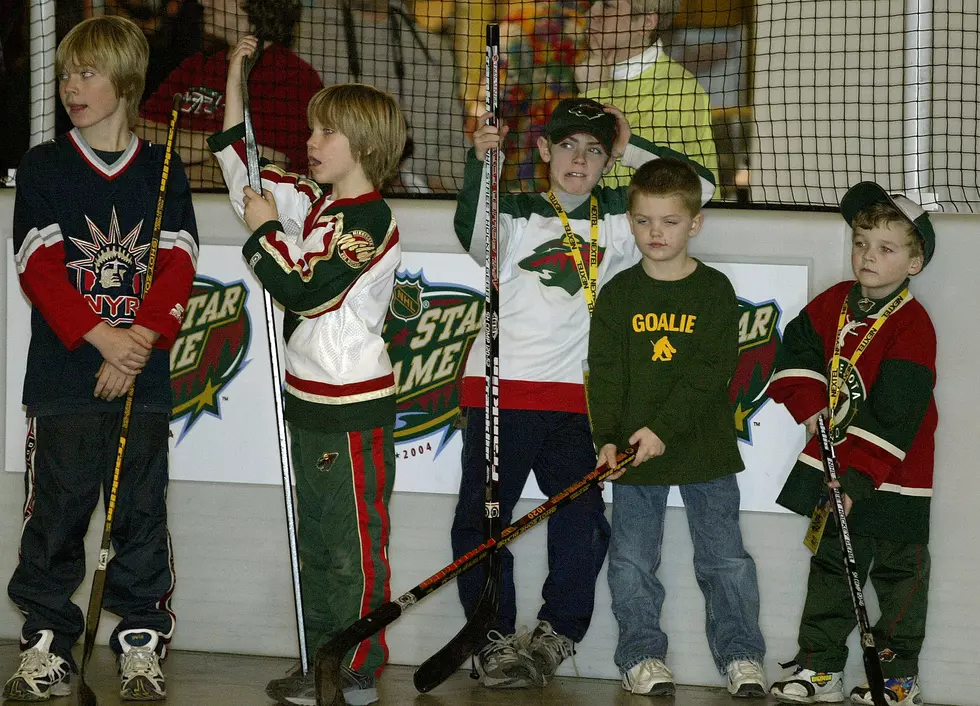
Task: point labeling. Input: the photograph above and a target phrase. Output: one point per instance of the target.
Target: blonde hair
(882, 214)
(666, 177)
(370, 119)
(114, 46)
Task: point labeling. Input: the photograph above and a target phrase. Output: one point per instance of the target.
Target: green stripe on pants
(900, 576)
(343, 485)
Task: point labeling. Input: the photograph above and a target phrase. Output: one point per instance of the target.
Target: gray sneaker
(504, 663)
(41, 674)
(140, 675)
(547, 650)
(298, 690)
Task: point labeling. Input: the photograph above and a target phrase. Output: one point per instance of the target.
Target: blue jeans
(724, 571)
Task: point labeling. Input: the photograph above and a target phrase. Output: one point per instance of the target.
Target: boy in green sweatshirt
(662, 348)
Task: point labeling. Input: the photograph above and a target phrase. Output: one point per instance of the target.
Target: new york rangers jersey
(82, 232)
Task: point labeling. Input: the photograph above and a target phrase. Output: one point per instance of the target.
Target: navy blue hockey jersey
(82, 231)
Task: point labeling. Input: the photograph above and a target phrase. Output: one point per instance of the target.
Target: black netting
(788, 101)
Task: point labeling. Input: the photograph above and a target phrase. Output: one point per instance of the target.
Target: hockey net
(795, 100)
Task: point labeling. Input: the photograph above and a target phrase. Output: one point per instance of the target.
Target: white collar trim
(636, 65)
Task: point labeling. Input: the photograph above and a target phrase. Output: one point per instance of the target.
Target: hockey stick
(255, 181)
(86, 697)
(872, 662)
(328, 688)
(443, 663)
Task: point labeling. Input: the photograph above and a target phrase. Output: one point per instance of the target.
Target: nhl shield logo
(429, 330)
(406, 299)
(758, 342)
(210, 350)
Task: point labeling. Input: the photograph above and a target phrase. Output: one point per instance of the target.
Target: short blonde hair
(371, 120)
(883, 214)
(115, 46)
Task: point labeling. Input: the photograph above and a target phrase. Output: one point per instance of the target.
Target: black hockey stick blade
(329, 656)
(876, 680)
(440, 666)
(329, 690)
(86, 697)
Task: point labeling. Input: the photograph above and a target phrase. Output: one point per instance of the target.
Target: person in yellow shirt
(628, 68)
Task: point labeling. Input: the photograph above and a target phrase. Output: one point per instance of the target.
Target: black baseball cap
(575, 115)
(867, 193)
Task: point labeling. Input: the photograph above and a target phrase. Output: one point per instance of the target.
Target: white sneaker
(900, 691)
(41, 674)
(140, 676)
(650, 677)
(746, 679)
(806, 686)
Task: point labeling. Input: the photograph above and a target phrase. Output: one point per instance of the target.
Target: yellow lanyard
(590, 279)
(837, 378)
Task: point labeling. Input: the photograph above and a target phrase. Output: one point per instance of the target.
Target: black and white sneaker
(41, 674)
(140, 676)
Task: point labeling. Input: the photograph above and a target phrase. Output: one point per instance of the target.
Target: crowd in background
(428, 53)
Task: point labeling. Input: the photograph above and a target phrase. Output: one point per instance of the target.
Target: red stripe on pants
(378, 455)
(364, 537)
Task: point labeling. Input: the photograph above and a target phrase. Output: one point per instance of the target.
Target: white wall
(233, 590)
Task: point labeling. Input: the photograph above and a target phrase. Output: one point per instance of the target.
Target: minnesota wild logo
(758, 341)
(555, 265)
(851, 394)
(210, 349)
(429, 330)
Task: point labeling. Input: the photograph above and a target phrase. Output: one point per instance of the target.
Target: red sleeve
(803, 397)
(162, 309)
(45, 282)
(39, 254)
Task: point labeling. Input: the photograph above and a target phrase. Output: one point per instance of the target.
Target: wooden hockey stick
(328, 687)
(472, 635)
(86, 697)
(255, 181)
(872, 662)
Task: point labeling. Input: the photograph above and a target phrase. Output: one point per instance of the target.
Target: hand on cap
(623, 132)
(487, 136)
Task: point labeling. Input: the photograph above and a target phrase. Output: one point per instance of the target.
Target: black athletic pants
(70, 458)
(557, 446)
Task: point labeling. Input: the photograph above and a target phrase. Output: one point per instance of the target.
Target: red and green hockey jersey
(885, 420)
(334, 276)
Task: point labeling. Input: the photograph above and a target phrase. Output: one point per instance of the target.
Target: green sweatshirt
(660, 356)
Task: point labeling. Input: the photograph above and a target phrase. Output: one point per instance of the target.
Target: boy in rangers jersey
(547, 273)
(334, 276)
(83, 221)
(867, 350)
(663, 346)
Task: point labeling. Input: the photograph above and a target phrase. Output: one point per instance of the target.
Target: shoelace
(139, 661)
(518, 641)
(747, 668)
(34, 662)
(558, 648)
